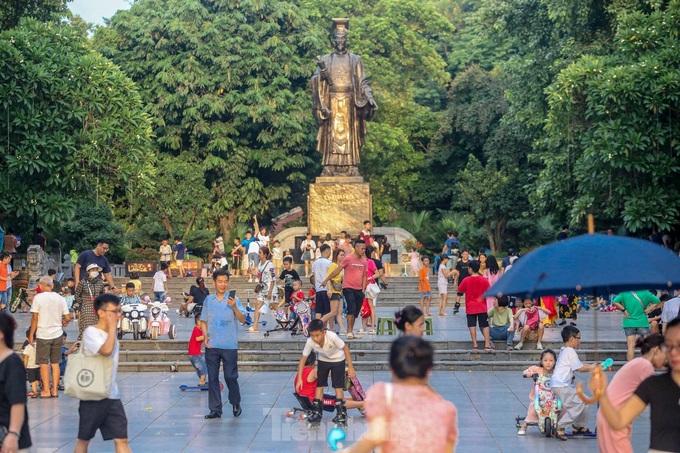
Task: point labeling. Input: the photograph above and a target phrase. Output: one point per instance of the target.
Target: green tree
(226, 83)
(611, 146)
(91, 222)
(12, 11)
(73, 125)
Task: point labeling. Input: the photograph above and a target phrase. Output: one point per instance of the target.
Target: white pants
(574, 410)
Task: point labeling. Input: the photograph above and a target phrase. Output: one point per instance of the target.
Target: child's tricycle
(547, 405)
(159, 322)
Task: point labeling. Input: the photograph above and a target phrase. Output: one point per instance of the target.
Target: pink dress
(621, 388)
(532, 416)
(419, 419)
(415, 261)
(492, 278)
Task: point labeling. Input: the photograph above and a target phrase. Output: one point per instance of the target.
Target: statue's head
(340, 28)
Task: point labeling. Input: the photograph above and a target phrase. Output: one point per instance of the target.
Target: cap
(93, 266)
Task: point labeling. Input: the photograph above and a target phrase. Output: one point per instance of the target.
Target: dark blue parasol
(591, 264)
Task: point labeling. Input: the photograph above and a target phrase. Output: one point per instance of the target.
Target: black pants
(228, 357)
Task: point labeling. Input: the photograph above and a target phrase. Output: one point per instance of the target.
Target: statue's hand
(372, 103)
(325, 112)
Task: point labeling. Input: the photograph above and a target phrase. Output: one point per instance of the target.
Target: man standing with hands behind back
(219, 324)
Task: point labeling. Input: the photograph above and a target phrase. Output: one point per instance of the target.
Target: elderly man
(49, 315)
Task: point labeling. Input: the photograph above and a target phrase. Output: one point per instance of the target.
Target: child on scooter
(547, 365)
(130, 297)
(309, 384)
(333, 353)
(574, 410)
(196, 356)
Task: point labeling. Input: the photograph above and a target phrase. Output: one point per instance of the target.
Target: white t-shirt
(332, 350)
(263, 239)
(320, 271)
(93, 339)
(254, 247)
(671, 310)
(310, 243)
(29, 351)
(166, 252)
(158, 279)
(50, 307)
(567, 363)
(277, 253)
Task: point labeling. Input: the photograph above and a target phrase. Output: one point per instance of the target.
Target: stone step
(439, 365)
(456, 355)
(382, 342)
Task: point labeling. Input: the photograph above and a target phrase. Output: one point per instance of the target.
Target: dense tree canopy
(73, 125)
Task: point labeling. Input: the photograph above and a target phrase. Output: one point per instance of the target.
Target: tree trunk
(498, 234)
(490, 235)
(227, 223)
(189, 225)
(167, 225)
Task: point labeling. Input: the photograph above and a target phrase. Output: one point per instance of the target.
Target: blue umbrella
(591, 264)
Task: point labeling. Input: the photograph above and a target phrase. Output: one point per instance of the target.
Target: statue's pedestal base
(337, 203)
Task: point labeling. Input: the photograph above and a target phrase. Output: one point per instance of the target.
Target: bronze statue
(342, 101)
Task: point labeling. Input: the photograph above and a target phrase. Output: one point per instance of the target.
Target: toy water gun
(335, 438)
(597, 374)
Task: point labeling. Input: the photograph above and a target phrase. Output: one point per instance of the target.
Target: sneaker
(519, 346)
(361, 331)
(521, 431)
(539, 347)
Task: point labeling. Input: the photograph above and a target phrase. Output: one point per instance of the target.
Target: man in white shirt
(320, 271)
(49, 316)
(107, 415)
(165, 253)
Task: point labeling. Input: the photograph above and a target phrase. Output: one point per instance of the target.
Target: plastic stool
(386, 324)
(429, 330)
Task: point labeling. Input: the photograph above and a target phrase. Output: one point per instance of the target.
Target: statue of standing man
(342, 101)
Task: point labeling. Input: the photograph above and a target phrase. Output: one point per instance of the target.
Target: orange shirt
(423, 283)
(4, 273)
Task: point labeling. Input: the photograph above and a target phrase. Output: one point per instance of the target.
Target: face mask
(94, 274)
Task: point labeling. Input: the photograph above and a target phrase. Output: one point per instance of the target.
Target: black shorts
(354, 299)
(32, 374)
(107, 416)
(335, 369)
(323, 305)
(481, 318)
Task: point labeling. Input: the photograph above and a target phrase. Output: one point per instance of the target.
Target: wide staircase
(281, 352)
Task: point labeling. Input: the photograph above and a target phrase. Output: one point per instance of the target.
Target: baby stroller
(293, 318)
(548, 406)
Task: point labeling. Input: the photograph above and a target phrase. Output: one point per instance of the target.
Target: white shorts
(443, 289)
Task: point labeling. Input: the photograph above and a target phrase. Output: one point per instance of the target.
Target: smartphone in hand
(232, 294)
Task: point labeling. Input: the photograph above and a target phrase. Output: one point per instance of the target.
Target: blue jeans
(158, 296)
(5, 296)
(228, 357)
(502, 333)
(198, 361)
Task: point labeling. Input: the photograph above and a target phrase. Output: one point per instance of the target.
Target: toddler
(546, 367)
(196, 357)
(530, 318)
(32, 369)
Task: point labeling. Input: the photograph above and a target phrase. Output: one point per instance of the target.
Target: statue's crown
(340, 27)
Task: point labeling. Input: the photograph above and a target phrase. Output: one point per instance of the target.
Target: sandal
(252, 330)
(560, 434)
(32, 394)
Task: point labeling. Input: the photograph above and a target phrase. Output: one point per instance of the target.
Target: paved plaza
(162, 418)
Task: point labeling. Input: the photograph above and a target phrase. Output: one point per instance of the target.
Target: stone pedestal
(337, 203)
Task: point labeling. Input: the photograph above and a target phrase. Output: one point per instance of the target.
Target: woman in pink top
(492, 274)
(407, 415)
(622, 387)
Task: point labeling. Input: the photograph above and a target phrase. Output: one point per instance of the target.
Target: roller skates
(316, 416)
(456, 308)
(341, 417)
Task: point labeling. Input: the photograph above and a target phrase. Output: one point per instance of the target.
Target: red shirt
(312, 293)
(355, 269)
(473, 287)
(308, 388)
(297, 297)
(195, 345)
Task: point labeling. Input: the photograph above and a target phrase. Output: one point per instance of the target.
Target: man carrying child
(332, 353)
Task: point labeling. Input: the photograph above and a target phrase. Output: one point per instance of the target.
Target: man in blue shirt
(180, 250)
(219, 324)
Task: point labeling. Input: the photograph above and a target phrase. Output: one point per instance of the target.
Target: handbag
(365, 309)
(337, 286)
(372, 290)
(88, 378)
